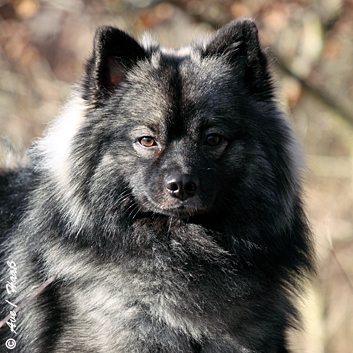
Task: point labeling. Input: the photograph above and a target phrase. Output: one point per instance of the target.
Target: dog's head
(179, 122)
(181, 132)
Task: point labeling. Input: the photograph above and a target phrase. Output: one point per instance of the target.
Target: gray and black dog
(165, 200)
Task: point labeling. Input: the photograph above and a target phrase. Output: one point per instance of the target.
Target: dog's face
(179, 138)
(175, 123)
(169, 134)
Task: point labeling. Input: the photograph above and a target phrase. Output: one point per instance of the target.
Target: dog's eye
(147, 141)
(213, 140)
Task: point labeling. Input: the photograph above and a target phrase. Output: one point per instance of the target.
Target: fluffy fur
(166, 200)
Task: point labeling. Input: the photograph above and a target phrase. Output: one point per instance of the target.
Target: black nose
(182, 186)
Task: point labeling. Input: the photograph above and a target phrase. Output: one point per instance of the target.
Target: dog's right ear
(114, 53)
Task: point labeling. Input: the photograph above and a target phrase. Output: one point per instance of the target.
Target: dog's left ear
(114, 54)
(238, 43)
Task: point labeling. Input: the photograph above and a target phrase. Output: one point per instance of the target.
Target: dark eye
(147, 141)
(213, 140)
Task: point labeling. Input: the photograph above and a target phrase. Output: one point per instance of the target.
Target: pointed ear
(114, 54)
(238, 43)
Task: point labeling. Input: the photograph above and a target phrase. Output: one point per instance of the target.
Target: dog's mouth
(175, 208)
(184, 211)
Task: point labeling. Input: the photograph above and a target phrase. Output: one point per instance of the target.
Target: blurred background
(43, 44)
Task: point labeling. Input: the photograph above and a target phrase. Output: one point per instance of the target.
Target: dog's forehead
(191, 90)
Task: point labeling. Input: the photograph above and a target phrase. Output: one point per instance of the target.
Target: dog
(162, 211)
